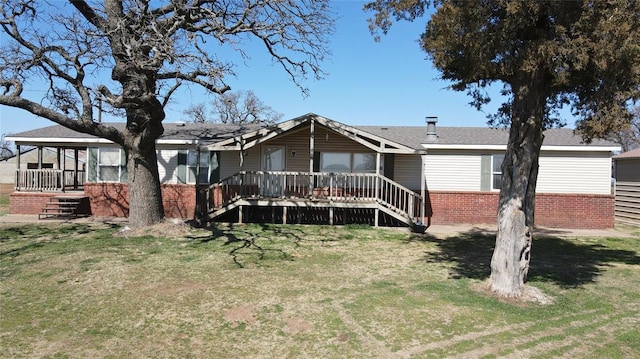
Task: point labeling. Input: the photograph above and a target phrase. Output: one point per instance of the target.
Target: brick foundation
(29, 202)
(112, 200)
(552, 210)
(443, 207)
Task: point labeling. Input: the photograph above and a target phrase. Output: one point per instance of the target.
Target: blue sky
(368, 83)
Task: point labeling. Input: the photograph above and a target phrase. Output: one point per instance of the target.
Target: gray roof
(415, 136)
(207, 133)
(411, 136)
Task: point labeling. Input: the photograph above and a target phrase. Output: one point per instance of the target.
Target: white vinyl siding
(407, 171)
(588, 173)
(574, 172)
(452, 171)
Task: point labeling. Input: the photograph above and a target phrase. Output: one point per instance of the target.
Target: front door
(272, 184)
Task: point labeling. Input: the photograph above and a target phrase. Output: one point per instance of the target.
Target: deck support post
(376, 217)
(240, 214)
(331, 216)
(284, 215)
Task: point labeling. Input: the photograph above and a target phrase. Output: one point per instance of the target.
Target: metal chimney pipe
(432, 135)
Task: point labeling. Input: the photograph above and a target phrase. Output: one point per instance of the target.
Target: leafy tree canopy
(586, 52)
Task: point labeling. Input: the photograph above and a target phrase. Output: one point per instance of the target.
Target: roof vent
(432, 135)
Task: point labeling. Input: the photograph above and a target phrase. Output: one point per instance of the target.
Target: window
(496, 171)
(192, 167)
(365, 163)
(109, 165)
(345, 162)
(339, 162)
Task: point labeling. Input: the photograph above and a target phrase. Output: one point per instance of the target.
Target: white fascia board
(58, 140)
(429, 146)
(178, 142)
(350, 132)
(581, 148)
(89, 141)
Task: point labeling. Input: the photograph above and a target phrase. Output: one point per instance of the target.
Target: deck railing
(48, 180)
(343, 187)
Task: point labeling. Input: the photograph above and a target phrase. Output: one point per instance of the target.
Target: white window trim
(191, 178)
(493, 173)
(118, 165)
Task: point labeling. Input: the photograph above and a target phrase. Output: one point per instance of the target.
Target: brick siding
(112, 199)
(29, 202)
(552, 210)
(443, 207)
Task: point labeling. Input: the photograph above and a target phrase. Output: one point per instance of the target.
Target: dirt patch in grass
(241, 314)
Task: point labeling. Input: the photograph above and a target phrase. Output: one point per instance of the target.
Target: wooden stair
(62, 207)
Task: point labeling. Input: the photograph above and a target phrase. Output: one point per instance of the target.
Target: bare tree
(148, 49)
(243, 107)
(234, 107)
(197, 113)
(6, 149)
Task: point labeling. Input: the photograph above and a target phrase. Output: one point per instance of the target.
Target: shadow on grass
(32, 236)
(242, 239)
(557, 260)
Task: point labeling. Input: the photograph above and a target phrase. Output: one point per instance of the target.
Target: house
(627, 175)
(315, 170)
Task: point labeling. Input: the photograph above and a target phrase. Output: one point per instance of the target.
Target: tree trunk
(145, 196)
(510, 261)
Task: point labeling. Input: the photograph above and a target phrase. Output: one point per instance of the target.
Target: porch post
(39, 157)
(62, 165)
(39, 182)
(422, 188)
(75, 168)
(17, 178)
(18, 155)
(377, 185)
(197, 213)
(312, 133)
(58, 157)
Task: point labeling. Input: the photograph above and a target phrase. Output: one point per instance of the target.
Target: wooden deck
(316, 190)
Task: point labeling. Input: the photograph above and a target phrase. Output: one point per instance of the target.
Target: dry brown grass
(257, 291)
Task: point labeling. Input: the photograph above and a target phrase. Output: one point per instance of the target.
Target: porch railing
(343, 187)
(48, 180)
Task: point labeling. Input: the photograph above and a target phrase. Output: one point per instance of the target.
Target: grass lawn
(262, 291)
(5, 190)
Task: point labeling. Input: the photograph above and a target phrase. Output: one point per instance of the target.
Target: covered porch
(55, 169)
(315, 165)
